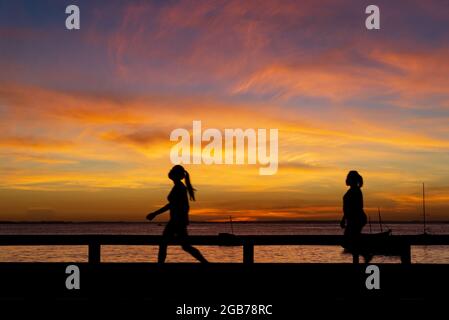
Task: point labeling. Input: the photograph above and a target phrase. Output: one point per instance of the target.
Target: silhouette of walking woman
(178, 204)
(354, 217)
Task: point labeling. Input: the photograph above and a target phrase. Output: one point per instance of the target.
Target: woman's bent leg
(183, 236)
(194, 252)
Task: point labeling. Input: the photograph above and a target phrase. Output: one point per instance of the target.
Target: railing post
(248, 252)
(406, 255)
(94, 252)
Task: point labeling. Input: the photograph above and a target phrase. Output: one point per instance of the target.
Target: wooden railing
(398, 245)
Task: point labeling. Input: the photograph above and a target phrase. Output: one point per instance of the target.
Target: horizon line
(206, 222)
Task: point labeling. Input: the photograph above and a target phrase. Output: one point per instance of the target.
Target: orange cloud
(34, 143)
(333, 76)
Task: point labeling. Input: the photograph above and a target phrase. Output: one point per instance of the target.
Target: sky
(86, 115)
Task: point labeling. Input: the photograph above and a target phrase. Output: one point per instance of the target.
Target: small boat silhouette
(229, 239)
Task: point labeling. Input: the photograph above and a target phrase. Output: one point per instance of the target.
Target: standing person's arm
(343, 219)
(364, 218)
(343, 222)
(361, 201)
(154, 214)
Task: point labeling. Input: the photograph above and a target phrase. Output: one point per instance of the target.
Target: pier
(171, 284)
(398, 245)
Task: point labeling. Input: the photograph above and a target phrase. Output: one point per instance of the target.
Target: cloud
(41, 214)
(398, 76)
(34, 143)
(39, 158)
(140, 138)
(91, 113)
(23, 100)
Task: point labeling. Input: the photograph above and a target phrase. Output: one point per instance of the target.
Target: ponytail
(189, 186)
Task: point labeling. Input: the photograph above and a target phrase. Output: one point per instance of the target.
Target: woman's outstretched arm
(154, 214)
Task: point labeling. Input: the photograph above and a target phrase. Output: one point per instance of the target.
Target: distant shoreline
(219, 222)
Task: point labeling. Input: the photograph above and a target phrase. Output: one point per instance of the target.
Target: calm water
(304, 254)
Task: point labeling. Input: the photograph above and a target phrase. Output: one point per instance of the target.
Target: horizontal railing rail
(402, 243)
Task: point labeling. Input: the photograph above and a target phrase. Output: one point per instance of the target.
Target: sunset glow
(86, 116)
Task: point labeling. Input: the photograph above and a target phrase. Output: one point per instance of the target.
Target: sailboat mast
(424, 207)
(232, 227)
(380, 219)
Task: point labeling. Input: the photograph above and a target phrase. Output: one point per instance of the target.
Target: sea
(219, 254)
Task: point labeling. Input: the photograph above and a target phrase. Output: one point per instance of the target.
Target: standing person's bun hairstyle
(178, 173)
(354, 179)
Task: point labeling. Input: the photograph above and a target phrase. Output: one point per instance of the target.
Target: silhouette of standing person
(178, 204)
(354, 217)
